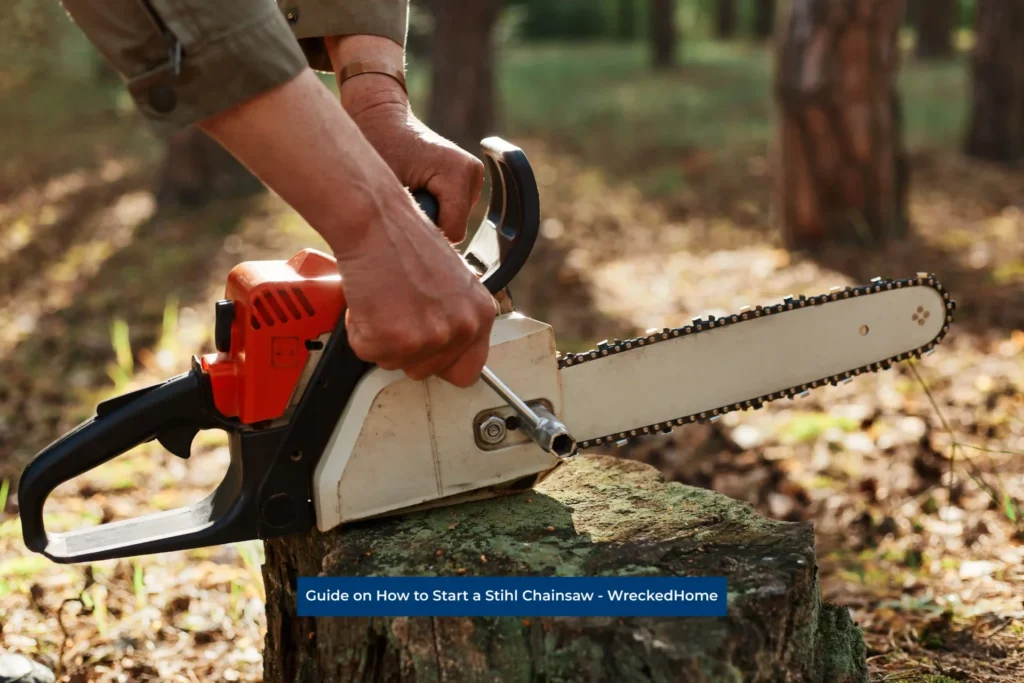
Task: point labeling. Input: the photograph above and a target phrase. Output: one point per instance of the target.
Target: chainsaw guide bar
(788, 305)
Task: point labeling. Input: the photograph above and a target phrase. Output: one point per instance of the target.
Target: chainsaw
(319, 437)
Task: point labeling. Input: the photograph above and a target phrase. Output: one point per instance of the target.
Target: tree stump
(594, 515)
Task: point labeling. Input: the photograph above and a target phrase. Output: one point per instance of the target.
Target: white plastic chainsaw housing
(402, 443)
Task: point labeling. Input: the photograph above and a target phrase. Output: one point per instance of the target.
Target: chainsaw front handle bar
(500, 246)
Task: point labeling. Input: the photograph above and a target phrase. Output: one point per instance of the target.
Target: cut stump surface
(594, 515)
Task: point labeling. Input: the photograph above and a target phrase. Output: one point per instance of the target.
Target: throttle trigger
(178, 440)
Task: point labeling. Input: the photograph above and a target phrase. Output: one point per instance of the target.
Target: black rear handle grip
(172, 412)
(429, 204)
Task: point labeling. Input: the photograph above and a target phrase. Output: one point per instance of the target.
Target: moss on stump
(594, 515)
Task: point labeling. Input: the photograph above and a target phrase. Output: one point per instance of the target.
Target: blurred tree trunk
(764, 18)
(626, 19)
(725, 19)
(462, 53)
(196, 170)
(936, 20)
(996, 129)
(663, 34)
(843, 170)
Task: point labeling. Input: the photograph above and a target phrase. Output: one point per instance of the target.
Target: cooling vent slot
(270, 309)
(279, 313)
(289, 304)
(262, 312)
(303, 301)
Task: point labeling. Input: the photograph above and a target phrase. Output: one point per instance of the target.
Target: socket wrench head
(550, 434)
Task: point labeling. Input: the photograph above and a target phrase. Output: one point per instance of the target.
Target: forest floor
(656, 194)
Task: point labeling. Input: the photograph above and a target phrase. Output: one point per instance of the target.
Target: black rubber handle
(172, 412)
(429, 204)
(505, 238)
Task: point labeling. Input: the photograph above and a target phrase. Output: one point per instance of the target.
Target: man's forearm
(300, 142)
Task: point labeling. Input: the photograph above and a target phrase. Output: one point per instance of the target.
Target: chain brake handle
(503, 242)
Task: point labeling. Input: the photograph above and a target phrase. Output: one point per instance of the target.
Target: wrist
(364, 219)
(371, 90)
(346, 52)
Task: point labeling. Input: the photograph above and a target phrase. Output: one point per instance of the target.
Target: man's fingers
(424, 348)
(457, 191)
(411, 348)
(434, 365)
(454, 213)
(466, 370)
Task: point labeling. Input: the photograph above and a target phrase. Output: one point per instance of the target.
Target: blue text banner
(512, 596)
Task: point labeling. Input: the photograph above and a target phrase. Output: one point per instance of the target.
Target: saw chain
(698, 325)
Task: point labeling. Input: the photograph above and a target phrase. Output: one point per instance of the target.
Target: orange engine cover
(280, 308)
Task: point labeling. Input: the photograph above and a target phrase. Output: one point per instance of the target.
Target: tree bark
(594, 515)
(936, 20)
(196, 170)
(764, 19)
(844, 173)
(462, 54)
(725, 19)
(664, 35)
(996, 129)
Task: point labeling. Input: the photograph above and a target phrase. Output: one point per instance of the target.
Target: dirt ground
(913, 477)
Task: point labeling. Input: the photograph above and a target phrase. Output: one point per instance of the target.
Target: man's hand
(420, 158)
(412, 303)
(423, 159)
(437, 321)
